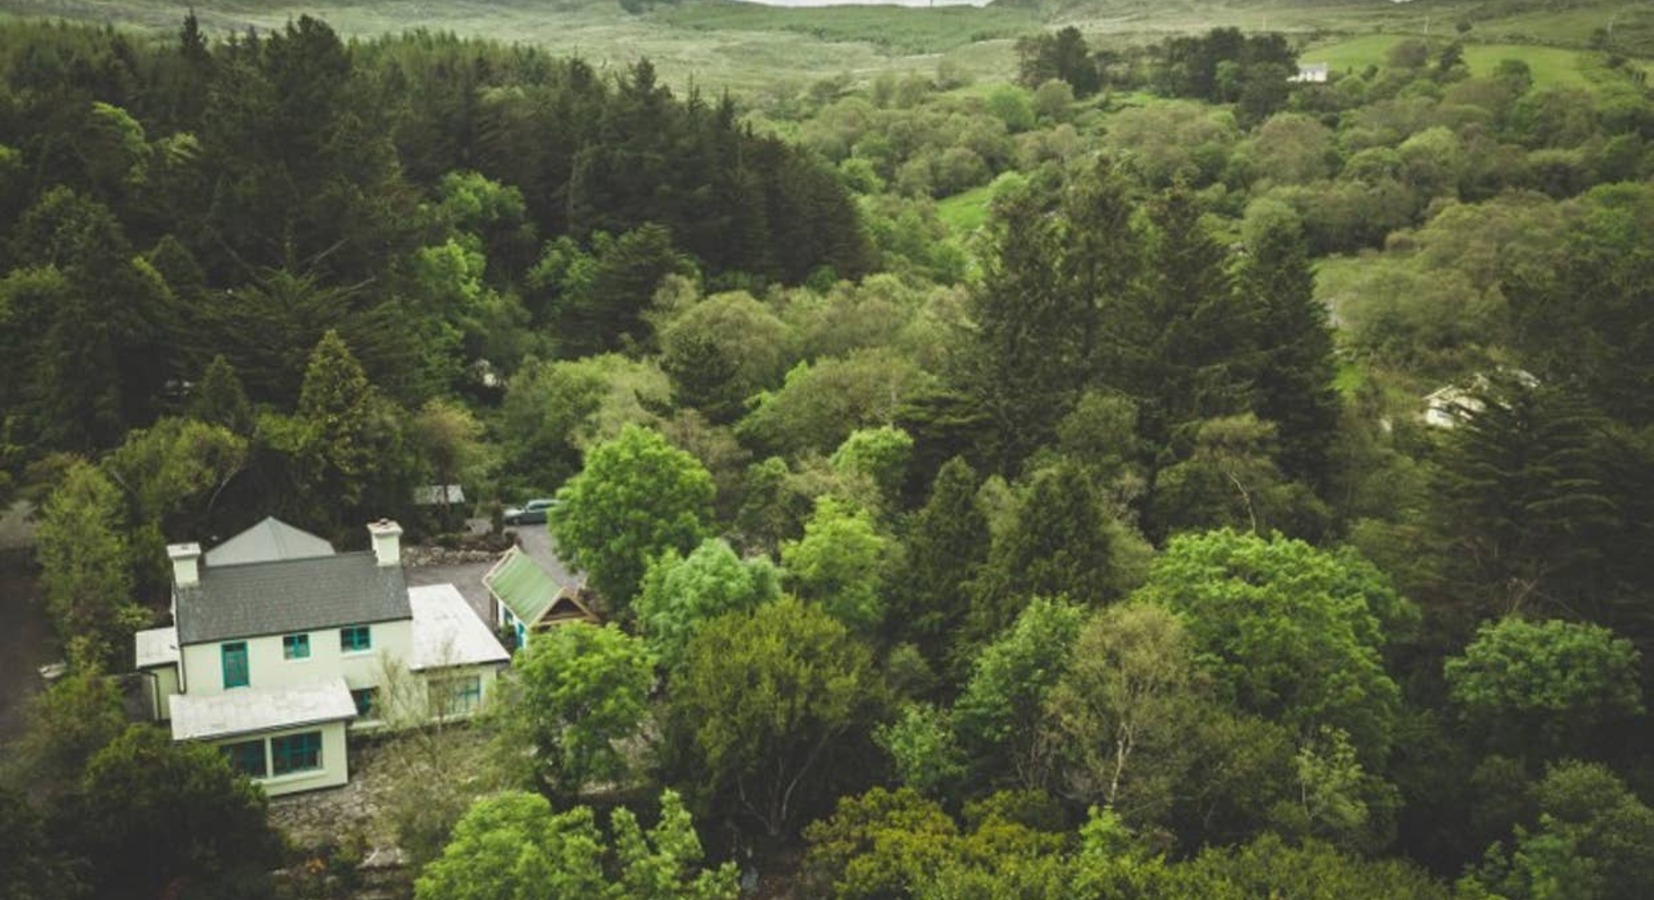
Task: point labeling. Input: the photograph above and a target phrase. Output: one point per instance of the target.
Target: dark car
(531, 513)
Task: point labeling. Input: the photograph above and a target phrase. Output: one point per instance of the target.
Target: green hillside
(758, 48)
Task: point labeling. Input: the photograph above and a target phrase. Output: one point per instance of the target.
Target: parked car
(531, 513)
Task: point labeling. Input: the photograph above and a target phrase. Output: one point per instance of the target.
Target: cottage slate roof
(252, 710)
(289, 595)
(446, 632)
(271, 539)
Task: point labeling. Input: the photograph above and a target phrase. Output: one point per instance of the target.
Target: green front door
(235, 664)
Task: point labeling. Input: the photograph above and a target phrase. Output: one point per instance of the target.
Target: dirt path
(26, 639)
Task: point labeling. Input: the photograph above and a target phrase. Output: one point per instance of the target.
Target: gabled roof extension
(269, 540)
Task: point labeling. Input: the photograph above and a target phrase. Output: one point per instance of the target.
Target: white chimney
(387, 544)
(186, 564)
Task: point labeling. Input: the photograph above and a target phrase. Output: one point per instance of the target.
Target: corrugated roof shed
(519, 583)
(446, 632)
(251, 710)
(269, 540)
(290, 595)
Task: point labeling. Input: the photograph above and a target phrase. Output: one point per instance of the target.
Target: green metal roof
(526, 589)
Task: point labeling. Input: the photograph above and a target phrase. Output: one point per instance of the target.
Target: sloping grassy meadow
(746, 47)
(1551, 66)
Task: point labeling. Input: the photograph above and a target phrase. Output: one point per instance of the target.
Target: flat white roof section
(252, 710)
(446, 632)
(156, 647)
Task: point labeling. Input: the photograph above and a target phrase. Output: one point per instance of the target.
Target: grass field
(964, 213)
(745, 59)
(1552, 66)
(901, 28)
(748, 48)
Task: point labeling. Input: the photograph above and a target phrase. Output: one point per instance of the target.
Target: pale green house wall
(335, 769)
(164, 684)
(266, 666)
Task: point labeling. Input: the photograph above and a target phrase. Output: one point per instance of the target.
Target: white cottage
(279, 645)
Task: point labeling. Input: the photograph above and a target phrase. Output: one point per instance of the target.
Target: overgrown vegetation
(983, 497)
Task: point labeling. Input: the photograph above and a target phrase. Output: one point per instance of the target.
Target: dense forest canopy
(1162, 476)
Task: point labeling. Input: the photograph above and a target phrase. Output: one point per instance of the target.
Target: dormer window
(355, 639)
(295, 646)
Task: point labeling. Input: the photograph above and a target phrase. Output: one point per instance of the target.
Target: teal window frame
(294, 753)
(461, 694)
(367, 702)
(355, 639)
(247, 757)
(295, 646)
(237, 673)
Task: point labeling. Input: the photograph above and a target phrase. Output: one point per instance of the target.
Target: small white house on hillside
(1312, 73)
(279, 644)
(1451, 405)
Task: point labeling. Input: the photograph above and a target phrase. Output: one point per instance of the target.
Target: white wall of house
(165, 683)
(267, 665)
(333, 772)
(443, 701)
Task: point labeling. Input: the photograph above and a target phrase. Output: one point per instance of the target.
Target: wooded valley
(1170, 473)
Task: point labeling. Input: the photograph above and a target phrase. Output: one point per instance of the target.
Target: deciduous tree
(768, 699)
(637, 497)
(1544, 685)
(682, 593)
(580, 692)
(841, 564)
(1289, 632)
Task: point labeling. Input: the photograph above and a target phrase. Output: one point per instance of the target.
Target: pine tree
(946, 546)
(220, 399)
(1190, 328)
(1524, 509)
(1293, 368)
(1102, 261)
(86, 567)
(1027, 364)
(335, 404)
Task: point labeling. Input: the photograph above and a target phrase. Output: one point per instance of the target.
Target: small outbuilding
(527, 599)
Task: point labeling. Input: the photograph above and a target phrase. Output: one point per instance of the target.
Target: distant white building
(1450, 405)
(278, 644)
(1312, 73)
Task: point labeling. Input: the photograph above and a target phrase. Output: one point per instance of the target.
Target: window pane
(366, 701)
(296, 752)
(246, 757)
(458, 696)
(355, 638)
(296, 646)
